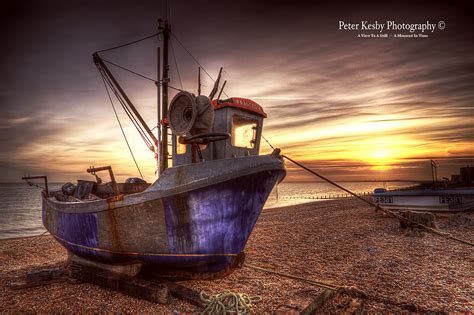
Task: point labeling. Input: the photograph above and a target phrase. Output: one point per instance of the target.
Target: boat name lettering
(450, 199)
(245, 103)
(383, 199)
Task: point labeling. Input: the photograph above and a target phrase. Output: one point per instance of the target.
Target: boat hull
(201, 229)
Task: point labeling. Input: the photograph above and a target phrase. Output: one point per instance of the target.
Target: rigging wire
(148, 142)
(128, 70)
(141, 75)
(176, 64)
(127, 110)
(139, 128)
(130, 43)
(175, 88)
(195, 60)
(121, 128)
(148, 78)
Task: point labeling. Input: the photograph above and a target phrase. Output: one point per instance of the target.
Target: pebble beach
(342, 242)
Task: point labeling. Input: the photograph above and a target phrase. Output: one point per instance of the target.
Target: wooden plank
(31, 284)
(135, 287)
(183, 293)
(44, 274)
(305, 305)
(145, 290)
(36, 278)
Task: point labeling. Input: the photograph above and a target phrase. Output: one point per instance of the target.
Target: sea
(20, 204)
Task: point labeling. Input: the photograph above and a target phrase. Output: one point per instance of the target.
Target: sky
(354, 108)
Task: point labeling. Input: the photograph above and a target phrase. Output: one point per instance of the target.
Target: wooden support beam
(135, 287)
(18, 285)
(36, 278)
(305, 305)
(183, 293)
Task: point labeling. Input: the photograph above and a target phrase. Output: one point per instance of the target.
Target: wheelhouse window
(244, 132)
(180, 148)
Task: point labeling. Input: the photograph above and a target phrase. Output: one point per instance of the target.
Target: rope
(176, 64)
(195, 60)
(329, 181)
(377, 207)
(121, 128)
(268, 142)
(33, 184)
(321, 284)
(347, 290)
(228, 302)
(130, 43)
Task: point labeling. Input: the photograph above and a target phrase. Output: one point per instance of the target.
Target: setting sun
(380, 154)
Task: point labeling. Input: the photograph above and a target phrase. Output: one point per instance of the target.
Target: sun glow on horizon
(380, 158)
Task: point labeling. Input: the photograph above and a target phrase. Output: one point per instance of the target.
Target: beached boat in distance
(450, 196)
(451, 200)
(196, 218)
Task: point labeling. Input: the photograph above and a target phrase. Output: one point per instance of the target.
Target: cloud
(330, 96)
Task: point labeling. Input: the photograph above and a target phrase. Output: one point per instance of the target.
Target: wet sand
(343, 242)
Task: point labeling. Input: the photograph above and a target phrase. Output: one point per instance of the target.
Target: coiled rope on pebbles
(228, 302)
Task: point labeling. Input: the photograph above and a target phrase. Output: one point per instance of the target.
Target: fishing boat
(436, 200)
(195, 219)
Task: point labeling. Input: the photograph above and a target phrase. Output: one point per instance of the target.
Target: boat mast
(165, 28)
(158, 126)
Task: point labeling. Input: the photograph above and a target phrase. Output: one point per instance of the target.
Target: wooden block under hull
(135, 287)
(126, 270)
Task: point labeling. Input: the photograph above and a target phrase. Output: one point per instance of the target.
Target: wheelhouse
(241, 118)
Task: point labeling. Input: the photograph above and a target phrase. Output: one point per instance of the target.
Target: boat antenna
(222, 89)
(165, 28)
(216, 85)
(434, 172)
(199, 80)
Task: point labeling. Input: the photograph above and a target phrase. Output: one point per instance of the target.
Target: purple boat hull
(200, 228)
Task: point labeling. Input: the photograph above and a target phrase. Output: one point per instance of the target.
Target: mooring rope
(33, 184)
(351, 291)
(321, 284)
(377, 206)
(228, 302)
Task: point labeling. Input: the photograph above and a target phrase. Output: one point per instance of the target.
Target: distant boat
(195, 220)
(436, 200)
